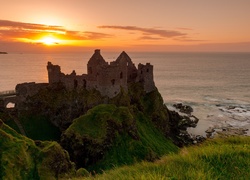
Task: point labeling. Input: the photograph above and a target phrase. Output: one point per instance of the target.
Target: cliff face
(134, 124)
(109, 135)
(62, 106)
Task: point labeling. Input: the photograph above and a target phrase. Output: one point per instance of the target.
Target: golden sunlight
(49, 41)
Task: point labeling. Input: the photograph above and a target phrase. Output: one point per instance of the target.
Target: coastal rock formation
(109, 135)
(231, 119)
(184, 108)
(113, 109)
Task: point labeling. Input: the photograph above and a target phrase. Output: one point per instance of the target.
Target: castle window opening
(141, 72)
(10, 105)
(147, 70)
(113, 82)
(121, 75)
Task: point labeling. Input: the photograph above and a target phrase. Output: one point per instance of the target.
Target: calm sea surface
(209, 82)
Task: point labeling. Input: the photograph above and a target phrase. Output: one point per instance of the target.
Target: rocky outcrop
(109, 135)
(133, 118)
(62, 106)
(184, 108)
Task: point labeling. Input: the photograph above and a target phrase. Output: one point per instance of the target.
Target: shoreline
(228, 120)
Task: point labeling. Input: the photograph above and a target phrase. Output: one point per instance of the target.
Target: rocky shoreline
(225, 128)
(188, 120)
(237, 117)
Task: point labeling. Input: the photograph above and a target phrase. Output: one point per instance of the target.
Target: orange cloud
(149, 38)
(148, 31)
(184, 28)
(188, 39)
(12, 30)
(86, 35)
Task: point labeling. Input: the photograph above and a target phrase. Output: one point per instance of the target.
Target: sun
(49, 41)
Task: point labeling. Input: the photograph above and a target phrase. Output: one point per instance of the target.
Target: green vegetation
(60, 105)
(9, 121)
(114, 136)
(126, 131)
(40, 128)
(109, 136)
(221, 158)
(36, 127)
(22, 158)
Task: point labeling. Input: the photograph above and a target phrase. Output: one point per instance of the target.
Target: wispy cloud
(184, 28)
(149, 38)
(10, 30)
(188, 39)
(28, 26)
(86, 35)
(148, 31)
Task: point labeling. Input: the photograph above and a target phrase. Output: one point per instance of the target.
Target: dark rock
(210, 130)
(231, 107)
(179, 125)
(184, 108)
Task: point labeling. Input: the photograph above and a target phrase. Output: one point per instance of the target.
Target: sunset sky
(135, 25)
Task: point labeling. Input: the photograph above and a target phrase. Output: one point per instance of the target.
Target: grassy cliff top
(220, 158)
(108, 136)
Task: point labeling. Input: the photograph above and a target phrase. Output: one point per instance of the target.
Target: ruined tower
(54, 73)
(95, 63)
(107, 78)
(146, 77)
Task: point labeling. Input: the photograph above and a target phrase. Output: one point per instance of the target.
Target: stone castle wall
(108, 78)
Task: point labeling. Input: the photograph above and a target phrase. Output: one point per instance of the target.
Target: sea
(215, 85)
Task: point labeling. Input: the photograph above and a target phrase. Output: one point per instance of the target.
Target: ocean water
(216, 85)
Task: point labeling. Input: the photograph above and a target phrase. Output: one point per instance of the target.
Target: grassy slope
(222, 158)
(124, 148)
(9, 121)
(21, 158)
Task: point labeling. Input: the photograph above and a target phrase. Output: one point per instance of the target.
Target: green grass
(92, 124)
(152, 136)
(21, 158)
(9, 121)
(114, 136)
(221, 158)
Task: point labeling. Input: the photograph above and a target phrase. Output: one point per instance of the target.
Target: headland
(111, 116)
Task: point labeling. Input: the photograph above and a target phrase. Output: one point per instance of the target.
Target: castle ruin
(107, 78)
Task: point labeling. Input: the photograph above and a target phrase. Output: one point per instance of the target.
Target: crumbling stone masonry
(108, 78)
